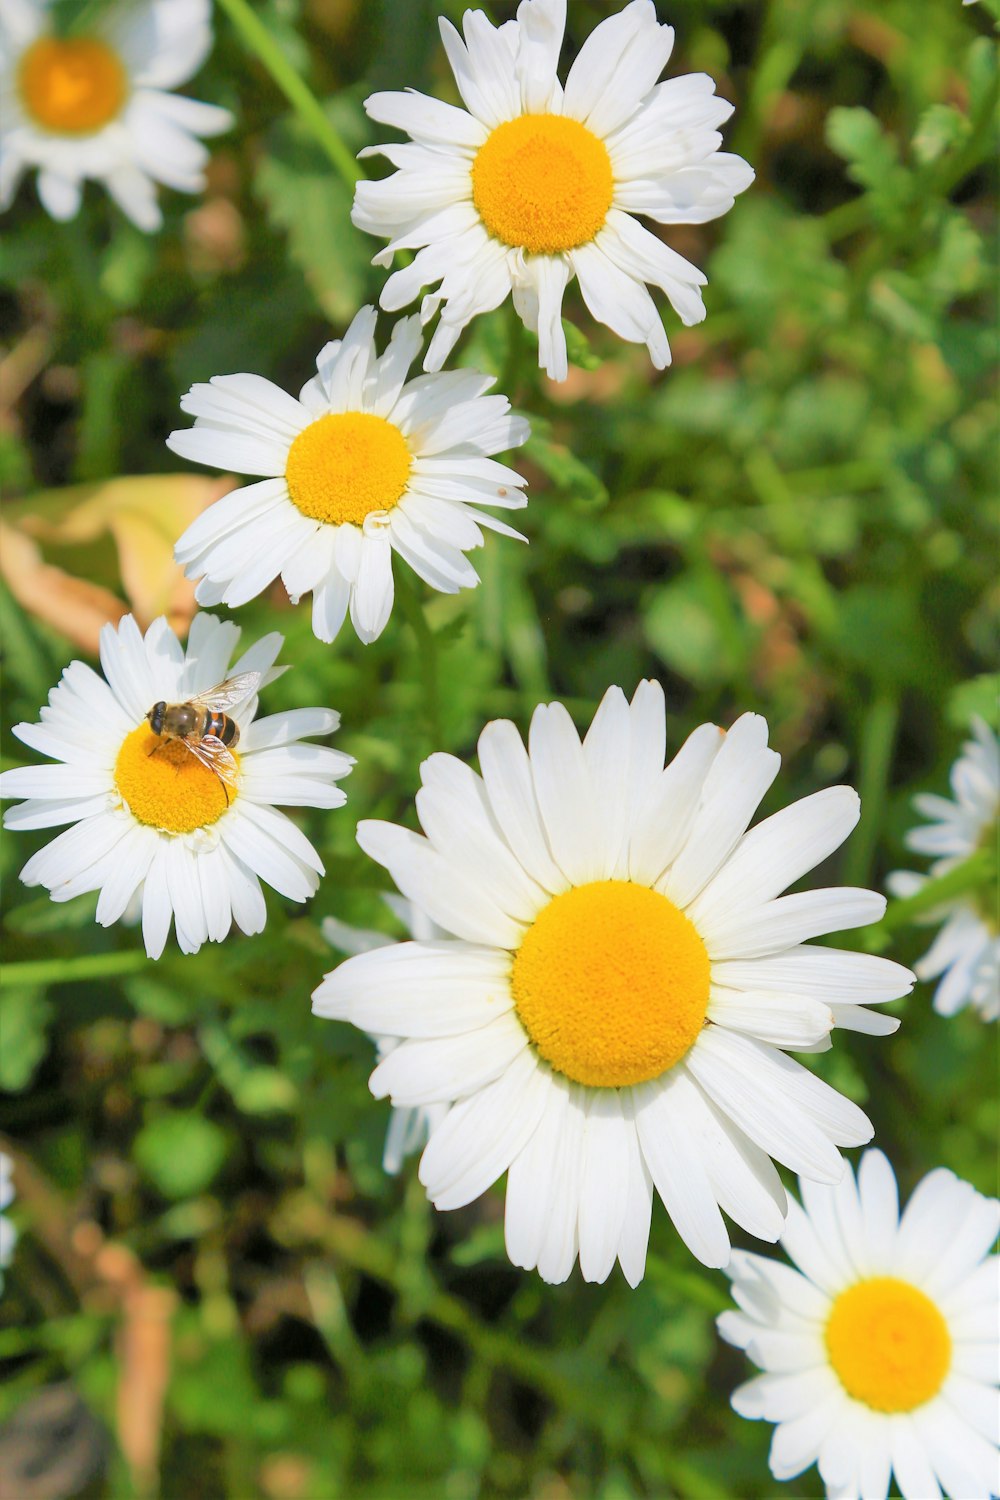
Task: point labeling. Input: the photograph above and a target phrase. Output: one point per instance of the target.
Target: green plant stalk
(878, 736)
(45, 971)
(973, 874)
(427, 653)
(260, 41)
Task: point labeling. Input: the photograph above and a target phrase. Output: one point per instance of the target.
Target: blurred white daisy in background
(409, 1129)
(149, 819)
(534, 183)
(364, 463)
(96, 104)
(966, 952)
(610, 1011)
(881, 1352)
(8, 1234)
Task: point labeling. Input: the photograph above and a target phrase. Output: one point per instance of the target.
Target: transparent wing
(214, 754)
(226, 695)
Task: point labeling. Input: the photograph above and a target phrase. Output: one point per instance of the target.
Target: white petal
(660, 827)
(790, 1113)
(772, 856)
(737, 779)
(792, 919)
(482, 1135)
(507, 777)
(604, 1188)
(428, 880)
(440, 1069)
(667, 1136)
(566, 795)
(424, 989)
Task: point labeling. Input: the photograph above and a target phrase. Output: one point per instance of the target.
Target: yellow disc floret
(72, 86)
(611, 983)
(345, 465)
(165, 786)
(888, 1344)
(542, 183)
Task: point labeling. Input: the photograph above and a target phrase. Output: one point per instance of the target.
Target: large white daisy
(364, 463)
(409, 1129)
(881, 1352)
(611, 1009)
(150, 820)
(965, 955)
(533, 183)
(97, 104)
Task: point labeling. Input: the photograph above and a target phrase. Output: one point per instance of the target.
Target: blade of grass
(295, 89)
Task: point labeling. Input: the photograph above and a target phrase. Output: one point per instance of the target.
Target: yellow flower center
(543, 183)
(345, 465)
(72, 86)
(888, 1343)
(165, 786)
(611, 983)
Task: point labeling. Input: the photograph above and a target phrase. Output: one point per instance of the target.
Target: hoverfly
(202, 725)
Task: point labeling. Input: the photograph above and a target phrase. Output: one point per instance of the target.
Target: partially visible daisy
(97, 104)
(533, 183)
(881, 1352)
(8, 1234)
(409, 1129)
(364, 463)
(612, 1008)
(148, 818)
(966, 952)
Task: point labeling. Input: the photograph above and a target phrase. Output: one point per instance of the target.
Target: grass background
(217, 1292)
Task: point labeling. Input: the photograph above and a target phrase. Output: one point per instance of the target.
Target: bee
(202, 725)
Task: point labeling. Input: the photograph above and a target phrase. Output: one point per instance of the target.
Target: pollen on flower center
(347, 464)
(72, 86)
(542, 183)
(888, 1344)
(165, 786)
(611, 983)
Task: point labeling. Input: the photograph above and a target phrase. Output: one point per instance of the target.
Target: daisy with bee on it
(168, 780)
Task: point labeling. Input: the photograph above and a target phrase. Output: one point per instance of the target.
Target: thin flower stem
(973, 874)
(64, 970)
(260, 41)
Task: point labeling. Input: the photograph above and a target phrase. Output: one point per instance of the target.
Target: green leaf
(308, 201)
(941, 129)
(180, 1153)
(693, 626)
(25, 1017)
(978, 697)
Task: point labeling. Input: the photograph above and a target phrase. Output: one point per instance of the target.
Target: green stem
(973, 874)
(45, 971)
(260, 41)
(878, 737)
(427, 653)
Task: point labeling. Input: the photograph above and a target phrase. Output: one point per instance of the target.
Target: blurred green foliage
(799, 518)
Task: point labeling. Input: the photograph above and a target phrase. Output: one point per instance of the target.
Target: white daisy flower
(409, 1129)
(191, 835)
(881, 1351)
(364, 463)
(533, 183)
(8, 1234)
(610, 1011)
(966, 952)
(98, 104)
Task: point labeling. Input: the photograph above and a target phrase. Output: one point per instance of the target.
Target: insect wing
(215, 755)
(225, 695)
